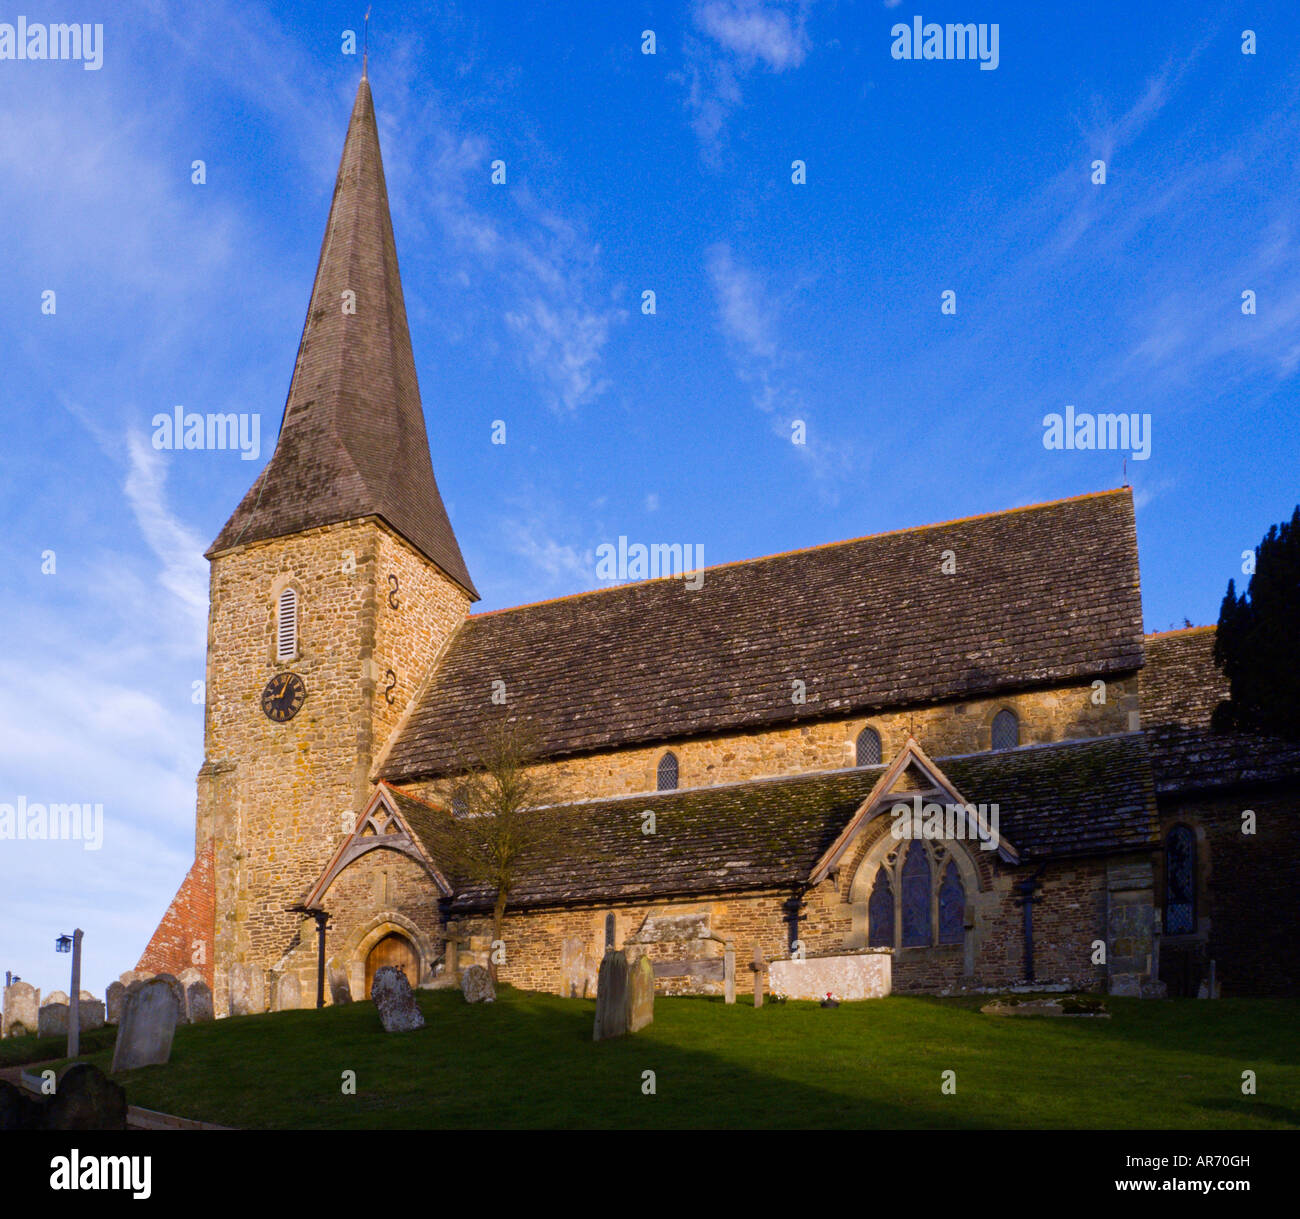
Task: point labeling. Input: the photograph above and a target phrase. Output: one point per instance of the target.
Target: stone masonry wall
(1061, 713)
(277, 799)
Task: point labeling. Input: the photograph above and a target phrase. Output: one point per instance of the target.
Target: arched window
(880, 911)
(667, 777)
(286, 629)
(916, 897)
(1006, 730)
(868, 747)
(1180, 881)
(952, 907)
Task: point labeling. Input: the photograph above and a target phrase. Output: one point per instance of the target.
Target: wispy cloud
(731, 39)
(525, 264)
(179, 549)
(749, 319)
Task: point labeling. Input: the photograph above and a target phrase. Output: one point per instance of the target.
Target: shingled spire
(352, 441)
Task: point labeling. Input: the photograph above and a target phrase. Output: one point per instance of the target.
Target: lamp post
(72, 943)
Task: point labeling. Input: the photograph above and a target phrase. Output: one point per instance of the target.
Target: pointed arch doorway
(394, 949)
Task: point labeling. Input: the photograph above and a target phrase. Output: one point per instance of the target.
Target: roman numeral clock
(285, 693)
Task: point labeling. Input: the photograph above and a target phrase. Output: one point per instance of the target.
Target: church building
(772, 717)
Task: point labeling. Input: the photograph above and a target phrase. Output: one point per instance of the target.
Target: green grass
(528, 1061)
(18, 1051)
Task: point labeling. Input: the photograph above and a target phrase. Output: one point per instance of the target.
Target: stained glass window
(916, 897)
(1180, 881)
(880, 911)
(952, 907)
(1006, 730)
(668, 772)
(868, 747)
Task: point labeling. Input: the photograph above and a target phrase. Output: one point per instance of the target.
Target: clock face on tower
(283, 696)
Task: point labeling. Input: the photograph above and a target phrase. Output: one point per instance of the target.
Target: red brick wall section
(185, 932)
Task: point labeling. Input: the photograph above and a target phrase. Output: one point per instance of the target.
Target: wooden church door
(393, 949)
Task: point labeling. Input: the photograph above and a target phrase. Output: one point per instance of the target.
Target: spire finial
(365, 44)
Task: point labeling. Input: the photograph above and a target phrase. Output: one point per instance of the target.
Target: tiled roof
(352, 442)
(1042, 594)
(1180, 687)
(1081, 798)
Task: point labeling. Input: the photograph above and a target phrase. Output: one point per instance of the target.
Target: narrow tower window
(1180, 881)
(1006, 730)
(667, 778)
(286, 637)
(868, 747)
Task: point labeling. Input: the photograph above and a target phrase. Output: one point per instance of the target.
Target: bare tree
(495, 826)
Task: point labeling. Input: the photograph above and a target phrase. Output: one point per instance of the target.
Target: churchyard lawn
(527, 1060)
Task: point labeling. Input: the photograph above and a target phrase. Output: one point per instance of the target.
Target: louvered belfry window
(667, 777)
(286, 637)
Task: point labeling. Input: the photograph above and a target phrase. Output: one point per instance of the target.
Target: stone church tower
(334, 586)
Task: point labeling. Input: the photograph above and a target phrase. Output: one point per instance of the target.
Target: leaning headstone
(611, 996)
(22, 1008)
(476, 985)
(640, 994)
(396, 1001)
(91, 1015)
(340, 991)
(288, 993)
(53, 1020)
(86, 1099)
(148, 1025)
(113, 997)
(177, 989)
(198, 1002)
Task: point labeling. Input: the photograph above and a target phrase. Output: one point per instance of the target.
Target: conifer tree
(1257, 645)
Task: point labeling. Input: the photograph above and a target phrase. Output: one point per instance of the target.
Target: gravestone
(577, 968)
(56, 996)
(641, 994)
(174, 983)
(91, 1015)
(245, 990)
(53, 1020)
(288, 994)
(476, 985)
(340, 991)
(757, 967)
(86, 1099)
(395, 1000)
(149, 1019)
(198, 1002)
(611, 996)
(113, 997)
(22, 1008)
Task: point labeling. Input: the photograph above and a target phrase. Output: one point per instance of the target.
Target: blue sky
(625, 172)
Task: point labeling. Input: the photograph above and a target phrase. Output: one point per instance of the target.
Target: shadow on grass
(527, 1061)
